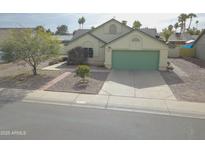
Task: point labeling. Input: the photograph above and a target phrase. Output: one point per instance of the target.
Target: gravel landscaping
(71, 84)
(191, 85)
(27, 80)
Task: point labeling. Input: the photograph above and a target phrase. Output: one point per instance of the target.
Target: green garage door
(135, 60)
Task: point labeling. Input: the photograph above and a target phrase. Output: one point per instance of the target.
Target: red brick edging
(54, 81)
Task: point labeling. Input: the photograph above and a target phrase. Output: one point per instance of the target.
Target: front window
(89, 52)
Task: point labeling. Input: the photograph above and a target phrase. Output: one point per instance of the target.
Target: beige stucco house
(118, 46)
(199, 45)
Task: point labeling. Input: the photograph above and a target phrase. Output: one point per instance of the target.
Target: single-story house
(64, 39)
(199, 46)
(178, 39)
(116, 45)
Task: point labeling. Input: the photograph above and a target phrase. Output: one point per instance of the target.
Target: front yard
(71, 83)
(187, 82)
(19, 76)
(13, 75)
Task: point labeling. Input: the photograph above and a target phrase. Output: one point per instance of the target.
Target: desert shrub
(77, 56)
(83, 71)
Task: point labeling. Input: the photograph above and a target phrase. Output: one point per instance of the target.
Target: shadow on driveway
(171, 78)
(137, 79)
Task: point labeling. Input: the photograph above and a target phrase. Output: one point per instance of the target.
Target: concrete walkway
(144, 84)
(54, 81)
(54, 67)
(133, 104)
(57, 67)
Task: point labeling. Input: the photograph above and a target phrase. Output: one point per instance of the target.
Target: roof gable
(202, 33)
(109, 22)
(79, 32)
(88, 33)
(141, 32)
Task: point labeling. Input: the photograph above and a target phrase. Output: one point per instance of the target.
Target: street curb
(166, 107)
(139, 110)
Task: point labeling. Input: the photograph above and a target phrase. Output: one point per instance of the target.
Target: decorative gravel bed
(190, 87)
(26, 80)
(71, 84)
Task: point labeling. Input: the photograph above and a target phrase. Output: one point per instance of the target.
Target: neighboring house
(178, 39)
(64, 39)
(118, 46)
(150, 31)
(79, 32)
(199, 45)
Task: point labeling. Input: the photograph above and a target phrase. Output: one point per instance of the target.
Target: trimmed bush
(77, 56)
(83, 71)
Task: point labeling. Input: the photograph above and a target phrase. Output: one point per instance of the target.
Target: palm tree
(176, 26)
(197, 22)
(170, 28)
(82, 21)
(182, 18)
(191, 16)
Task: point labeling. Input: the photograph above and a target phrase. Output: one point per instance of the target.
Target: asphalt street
(21, 120)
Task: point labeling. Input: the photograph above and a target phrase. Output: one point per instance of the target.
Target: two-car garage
(135, 59)
(136, 51)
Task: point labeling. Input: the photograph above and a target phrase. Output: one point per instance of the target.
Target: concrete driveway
(145, 84)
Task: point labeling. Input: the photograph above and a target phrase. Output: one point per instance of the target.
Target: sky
(52, 20)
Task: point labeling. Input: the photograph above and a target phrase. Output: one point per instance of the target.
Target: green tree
(62, 30)
(182, 18)
(170, 28)
(176, 26)
(82, 21)
(197, 22)
(40, 28)
(191, 16)
(166, 33)
(193, 31)
(136, 24)
(33, 47)
(49, 31)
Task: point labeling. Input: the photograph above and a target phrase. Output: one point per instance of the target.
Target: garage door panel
(135, 60)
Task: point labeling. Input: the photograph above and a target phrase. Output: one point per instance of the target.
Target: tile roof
(79, 33)
(150, 31)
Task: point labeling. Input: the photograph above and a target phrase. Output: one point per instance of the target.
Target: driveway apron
(150, 84)
(143, 84)
(119, 83)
